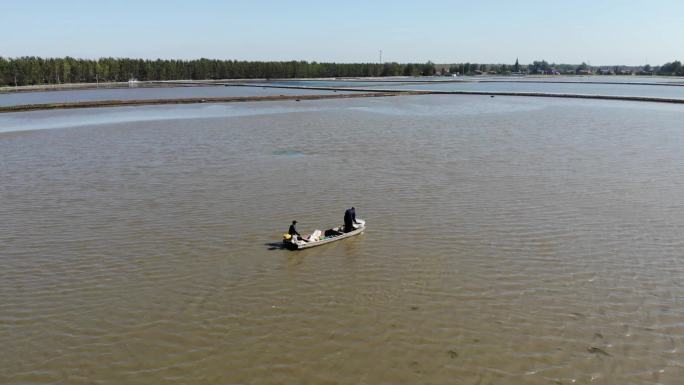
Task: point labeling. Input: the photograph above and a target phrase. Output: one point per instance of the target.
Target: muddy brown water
(509, 241)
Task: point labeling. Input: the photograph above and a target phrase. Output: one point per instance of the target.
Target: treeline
(674, 68)
(668, 69)
(540, 66)
(35, 70)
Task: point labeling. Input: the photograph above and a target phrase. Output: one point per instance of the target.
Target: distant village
(544, 68)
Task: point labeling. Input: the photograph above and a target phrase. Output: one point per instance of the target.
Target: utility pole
(380, 56)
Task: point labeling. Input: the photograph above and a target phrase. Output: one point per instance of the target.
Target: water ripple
(519, 242)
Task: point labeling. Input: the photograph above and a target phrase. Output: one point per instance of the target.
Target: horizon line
(324, 61)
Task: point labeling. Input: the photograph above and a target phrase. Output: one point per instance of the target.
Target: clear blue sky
(495, 31)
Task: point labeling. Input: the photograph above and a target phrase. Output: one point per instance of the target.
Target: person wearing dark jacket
(292, 231)
(349, 219)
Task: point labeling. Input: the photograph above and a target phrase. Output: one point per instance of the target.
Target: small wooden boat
(318, 237)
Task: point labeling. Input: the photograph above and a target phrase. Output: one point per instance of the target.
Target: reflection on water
(41, 120)
(510, 240)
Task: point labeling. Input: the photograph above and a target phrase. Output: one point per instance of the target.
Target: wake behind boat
(319, 237)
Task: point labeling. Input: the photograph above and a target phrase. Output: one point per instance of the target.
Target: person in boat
(349, 219)
(293, 231)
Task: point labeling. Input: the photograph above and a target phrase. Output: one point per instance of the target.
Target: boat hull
(299, 245)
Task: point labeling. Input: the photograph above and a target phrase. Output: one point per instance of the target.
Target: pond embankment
(481, 93)
(231, 99)
(330, 93)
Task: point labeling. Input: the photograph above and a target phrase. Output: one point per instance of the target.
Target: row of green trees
(674, 68)
(35, 70)
(542, 66)
(502, 69)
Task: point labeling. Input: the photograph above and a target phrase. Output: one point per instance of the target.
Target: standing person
(293, 231)
(349, 219)
(348, 222)
(353, 215)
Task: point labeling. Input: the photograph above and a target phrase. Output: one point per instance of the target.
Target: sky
(597, 32)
